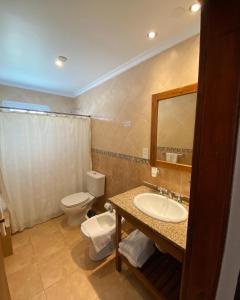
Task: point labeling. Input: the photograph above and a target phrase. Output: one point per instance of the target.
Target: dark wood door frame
(237, 293)
(216, 128)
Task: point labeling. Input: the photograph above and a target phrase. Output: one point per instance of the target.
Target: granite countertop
(175, 232)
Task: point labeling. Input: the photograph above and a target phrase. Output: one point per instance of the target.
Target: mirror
(173, 121)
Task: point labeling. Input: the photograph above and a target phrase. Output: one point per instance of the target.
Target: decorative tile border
(175, 150)
(185, 154)
(131, 158)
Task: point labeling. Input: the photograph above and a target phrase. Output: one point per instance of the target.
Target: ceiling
(101, 38)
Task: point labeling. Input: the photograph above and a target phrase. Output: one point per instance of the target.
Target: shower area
(43, 158)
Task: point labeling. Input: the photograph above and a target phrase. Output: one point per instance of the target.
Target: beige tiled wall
(124, 174)
(121, 110)
(127, 97)
(56, 103)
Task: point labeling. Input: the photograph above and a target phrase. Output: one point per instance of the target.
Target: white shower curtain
(43, 158)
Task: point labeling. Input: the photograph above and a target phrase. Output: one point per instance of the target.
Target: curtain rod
(12, 109)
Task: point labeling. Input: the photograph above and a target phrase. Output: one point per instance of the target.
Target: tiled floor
(51, 262)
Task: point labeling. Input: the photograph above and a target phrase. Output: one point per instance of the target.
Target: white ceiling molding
(35, 89)
(137, 60)
(117, 71)
(101, 40)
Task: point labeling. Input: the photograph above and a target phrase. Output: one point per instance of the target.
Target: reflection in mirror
(175, 129)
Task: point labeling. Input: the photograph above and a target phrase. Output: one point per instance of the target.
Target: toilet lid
(75, 199)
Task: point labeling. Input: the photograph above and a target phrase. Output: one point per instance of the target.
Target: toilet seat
(75, 199)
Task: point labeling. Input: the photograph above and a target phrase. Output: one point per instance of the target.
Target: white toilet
(105, 222)
(75, 206)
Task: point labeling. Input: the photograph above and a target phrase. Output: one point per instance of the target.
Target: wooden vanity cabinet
(162, 273)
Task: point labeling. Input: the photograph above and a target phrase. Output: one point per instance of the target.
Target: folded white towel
(135, 243)
(168, 156)
(99, 236)
(172, 157)
(137, 248)
(140, 261)
(132, 261)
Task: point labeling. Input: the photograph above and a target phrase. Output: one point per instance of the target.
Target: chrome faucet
(170, 194)
(162, 191)
(179, 198)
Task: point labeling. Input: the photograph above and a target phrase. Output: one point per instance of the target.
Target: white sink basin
(160, 207)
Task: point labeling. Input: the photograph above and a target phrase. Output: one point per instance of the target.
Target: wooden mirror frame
(188, 89)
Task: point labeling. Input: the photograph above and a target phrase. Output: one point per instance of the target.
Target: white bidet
(105, 222)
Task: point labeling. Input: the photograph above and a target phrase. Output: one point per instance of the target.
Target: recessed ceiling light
(60, 61)
(195, 7)
(151, 35)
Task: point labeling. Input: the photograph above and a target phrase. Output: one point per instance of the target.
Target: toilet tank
(95, 183)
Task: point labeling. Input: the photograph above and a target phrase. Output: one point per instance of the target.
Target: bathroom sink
(160, 207)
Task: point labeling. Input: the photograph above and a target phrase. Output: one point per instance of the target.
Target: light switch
(154, 172)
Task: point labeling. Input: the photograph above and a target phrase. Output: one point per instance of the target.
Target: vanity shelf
(161, 275)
